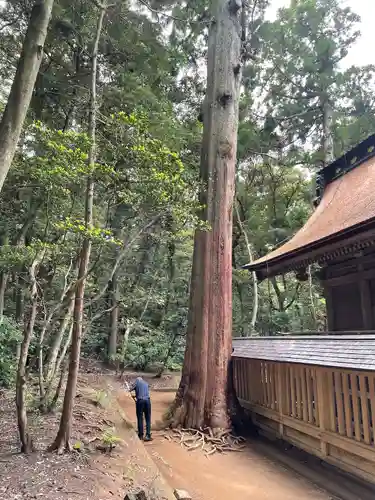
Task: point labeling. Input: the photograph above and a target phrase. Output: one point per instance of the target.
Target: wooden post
(329, 308)
(364, 286)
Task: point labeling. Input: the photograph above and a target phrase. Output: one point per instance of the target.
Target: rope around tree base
(206, 440)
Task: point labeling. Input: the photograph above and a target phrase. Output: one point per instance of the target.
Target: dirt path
(247, 475)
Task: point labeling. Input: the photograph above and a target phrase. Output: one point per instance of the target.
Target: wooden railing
(328, 412)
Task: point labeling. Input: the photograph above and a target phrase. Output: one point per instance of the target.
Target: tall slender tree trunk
(50, 366)
(23, 84)
(26, 442)
(3, 286)
(203, 396)
(63, 436)
(253, 274)
(56, 396)
(113, 333)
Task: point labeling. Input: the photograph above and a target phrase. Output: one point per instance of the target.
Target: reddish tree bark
(203, 398)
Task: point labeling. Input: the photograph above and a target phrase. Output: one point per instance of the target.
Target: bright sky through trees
(362, 52)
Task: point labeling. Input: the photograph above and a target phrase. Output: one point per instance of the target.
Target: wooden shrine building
(318, 391)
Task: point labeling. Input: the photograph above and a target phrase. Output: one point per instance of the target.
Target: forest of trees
(104, 185)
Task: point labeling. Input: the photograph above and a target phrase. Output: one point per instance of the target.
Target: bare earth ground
(87, 474)
(91, 475)
(247, 474)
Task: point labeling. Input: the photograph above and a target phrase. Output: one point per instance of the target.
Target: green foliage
(110, 439)
(100, 398)
(10, 336)
(145, 208)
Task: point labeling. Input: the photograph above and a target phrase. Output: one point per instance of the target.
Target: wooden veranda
(318, 391)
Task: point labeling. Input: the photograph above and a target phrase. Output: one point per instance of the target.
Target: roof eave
(355, 236)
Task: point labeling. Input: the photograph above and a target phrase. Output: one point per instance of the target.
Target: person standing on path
(143, 406)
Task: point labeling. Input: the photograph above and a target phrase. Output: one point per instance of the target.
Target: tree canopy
(298, 108)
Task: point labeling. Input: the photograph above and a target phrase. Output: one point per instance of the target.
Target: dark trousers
(143, 407)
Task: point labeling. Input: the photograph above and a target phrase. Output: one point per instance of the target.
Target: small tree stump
(182, 495)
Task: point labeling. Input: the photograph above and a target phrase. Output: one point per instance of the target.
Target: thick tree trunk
(23, 84)
(26, 442)
(63, 436)
(202, 399)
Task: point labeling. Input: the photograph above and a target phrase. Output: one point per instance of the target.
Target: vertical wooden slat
(289, 393)
(279, 395)
(304, 393)
(339, 403)
(347, 406)
(234, 364)
(243, 371)
(298, 391)
(309, 395)
(244, 362)
(292, 391)
(267, 377)
(356, 415)
(251, 381)
(273, 386)
(250, 378)
(254, 381)
(247, 368)
(371, 382)
(285, 381)
(331, 401)
(270, 384)
(315, 389)
(243, 379)
(259, 381)
(240, 378)
(322, 400)
(246, 376)
(364, 406)
(264, 380)
(278, 389)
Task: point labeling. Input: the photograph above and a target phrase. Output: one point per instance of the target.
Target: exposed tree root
(206, 440)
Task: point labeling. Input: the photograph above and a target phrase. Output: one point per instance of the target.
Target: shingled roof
(355, 352)
(346, 208)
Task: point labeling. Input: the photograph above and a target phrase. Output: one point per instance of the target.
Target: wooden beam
(349, 278)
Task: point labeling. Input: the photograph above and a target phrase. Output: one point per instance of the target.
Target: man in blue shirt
(143, 406)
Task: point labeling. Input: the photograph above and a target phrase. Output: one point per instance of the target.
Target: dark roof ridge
(345, 163)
